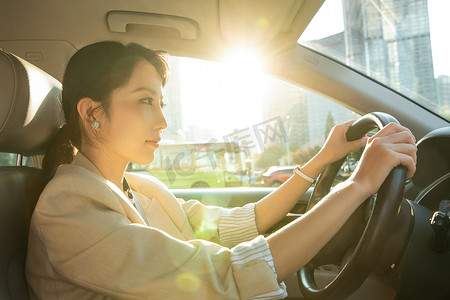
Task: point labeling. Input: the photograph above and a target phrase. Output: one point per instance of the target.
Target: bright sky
(439, 23)
(331, 11)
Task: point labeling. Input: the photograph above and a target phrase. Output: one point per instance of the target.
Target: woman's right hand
(336, 145)
(392, 146)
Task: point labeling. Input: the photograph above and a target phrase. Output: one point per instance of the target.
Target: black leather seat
(30, 114)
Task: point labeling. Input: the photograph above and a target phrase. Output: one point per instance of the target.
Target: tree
(302, 156)
(271, 156)
(329, 125)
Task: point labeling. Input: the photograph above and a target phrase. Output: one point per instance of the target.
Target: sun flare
(246, 60)
(235, 85)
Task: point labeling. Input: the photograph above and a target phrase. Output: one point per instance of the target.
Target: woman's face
(133, 130)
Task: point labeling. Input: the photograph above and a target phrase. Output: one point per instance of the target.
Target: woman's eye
(163, 104)
(147, 101)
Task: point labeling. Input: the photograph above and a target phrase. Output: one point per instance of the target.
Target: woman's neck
(111, 167)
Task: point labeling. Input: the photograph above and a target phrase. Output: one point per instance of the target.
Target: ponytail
(61, 151)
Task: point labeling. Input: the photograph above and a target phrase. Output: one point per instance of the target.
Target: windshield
(401, 43)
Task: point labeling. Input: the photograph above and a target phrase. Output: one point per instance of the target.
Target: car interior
(411, 260)
(31, 115)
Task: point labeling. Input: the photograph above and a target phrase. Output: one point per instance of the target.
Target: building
(376, 47)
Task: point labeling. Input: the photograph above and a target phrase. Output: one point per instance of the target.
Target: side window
(8, 159)
(227, 128)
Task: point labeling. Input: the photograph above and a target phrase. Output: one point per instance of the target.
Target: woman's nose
(161, 122)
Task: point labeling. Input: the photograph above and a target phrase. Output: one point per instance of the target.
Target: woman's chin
(148, 159)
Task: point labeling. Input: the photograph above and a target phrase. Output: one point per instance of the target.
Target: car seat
(30, 115)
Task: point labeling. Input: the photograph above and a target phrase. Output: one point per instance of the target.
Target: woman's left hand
(336, 146)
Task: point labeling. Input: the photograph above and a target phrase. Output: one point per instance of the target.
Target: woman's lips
(152, 143)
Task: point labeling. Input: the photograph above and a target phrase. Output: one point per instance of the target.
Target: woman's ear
(86, 108)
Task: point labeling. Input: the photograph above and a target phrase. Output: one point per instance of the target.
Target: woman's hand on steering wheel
(336, 146)
(392, 146)
(389, 156)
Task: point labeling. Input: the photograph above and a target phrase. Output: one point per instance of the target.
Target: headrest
(30, 109)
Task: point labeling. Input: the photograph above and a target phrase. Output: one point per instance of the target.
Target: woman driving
(100, 233)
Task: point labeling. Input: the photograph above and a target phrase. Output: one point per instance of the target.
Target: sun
(243, 80)
(227, 94)
(246, 60)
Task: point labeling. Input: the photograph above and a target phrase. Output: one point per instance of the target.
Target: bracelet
(303, 175)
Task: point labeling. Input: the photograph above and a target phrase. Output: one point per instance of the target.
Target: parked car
(320, 63)
(276, 176)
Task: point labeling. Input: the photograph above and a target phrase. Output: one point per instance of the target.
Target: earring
(95, 125)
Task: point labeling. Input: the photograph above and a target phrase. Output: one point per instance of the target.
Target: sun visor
(256, 20)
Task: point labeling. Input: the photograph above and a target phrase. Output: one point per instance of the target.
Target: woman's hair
(94, 72)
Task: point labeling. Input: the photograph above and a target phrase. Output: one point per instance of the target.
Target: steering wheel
(375, 234)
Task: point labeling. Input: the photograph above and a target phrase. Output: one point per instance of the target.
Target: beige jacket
(87, 241)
